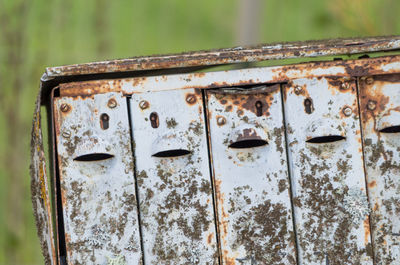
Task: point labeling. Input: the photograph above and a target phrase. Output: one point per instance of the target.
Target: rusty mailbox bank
(167, 160)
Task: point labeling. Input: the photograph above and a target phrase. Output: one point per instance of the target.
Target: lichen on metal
(380, 116)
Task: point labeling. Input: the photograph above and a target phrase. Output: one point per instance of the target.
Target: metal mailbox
(159, 160)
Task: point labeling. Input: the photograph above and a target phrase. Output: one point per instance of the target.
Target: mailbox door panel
(97, 180)
(175, 193)
(380, 116)
(326, 165)
(247, 139)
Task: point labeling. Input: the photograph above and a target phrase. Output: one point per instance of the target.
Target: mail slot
(165, 160)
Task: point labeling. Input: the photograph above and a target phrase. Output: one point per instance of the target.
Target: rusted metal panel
(40, 190)
(380, 116)
(175, 193)
(232, 55)
(326, 167)
(247, 139)
(276, 74)
(97, 180)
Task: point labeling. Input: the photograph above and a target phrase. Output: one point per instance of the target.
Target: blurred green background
(38, 33)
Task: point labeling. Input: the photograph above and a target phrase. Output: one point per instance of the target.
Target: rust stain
(209, 238)
(228, 260)
(372, 93)
(247, 134)
(84, 90)
(372, 184)
(257, 102)
(367, 231)
(352, 68)
(191, 99)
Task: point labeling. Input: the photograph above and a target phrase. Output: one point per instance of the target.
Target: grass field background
(38, 33)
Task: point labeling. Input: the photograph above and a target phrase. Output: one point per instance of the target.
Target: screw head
(297, 90)
(66, 134)
(64, 107)
(144, 104)
(191, 99)
(369, 81)
(371, 105)
(221, 120)
(347, 111)
(112, 103)
(345, 85)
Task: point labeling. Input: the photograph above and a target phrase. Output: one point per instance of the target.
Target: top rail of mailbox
(239, 54)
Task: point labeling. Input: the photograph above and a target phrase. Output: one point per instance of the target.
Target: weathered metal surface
(175, 193)
(247, 139)
(233, 55)
(380, 116)
(40, 190)
(276, 74)
(326, 168)
(97, 180)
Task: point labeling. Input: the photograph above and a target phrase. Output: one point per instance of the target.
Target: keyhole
(259, 106)
(308, 105)
(104, 121)
(154, 120)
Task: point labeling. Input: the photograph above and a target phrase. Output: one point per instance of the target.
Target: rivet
(221, 120)
(371, 105)
(112, 103)
(64, 107)
(347, 111)
(297, 90)
(369, 81)
(190, 99)
(345, 85)
(66, 134)
(143, 104)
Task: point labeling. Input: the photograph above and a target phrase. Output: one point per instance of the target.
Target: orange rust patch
(209, 238)
(372, 93)
(248, 101)
(88, 88)
(376, 207)
(228, 260)
(367, 231)
(372, 184)
(200, 74)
